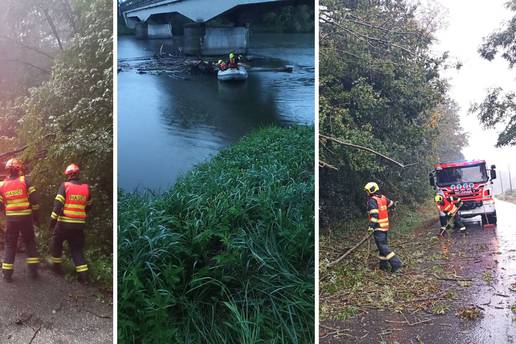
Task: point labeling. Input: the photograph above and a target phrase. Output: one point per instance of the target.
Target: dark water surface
(166, 126)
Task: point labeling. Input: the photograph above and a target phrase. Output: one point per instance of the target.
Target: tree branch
(348, 252)
(325, 164)
(43, 70)
(366, 149)
(53, 27)
(25, 46)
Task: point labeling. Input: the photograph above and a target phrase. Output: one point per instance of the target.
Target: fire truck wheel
(492, 218)
(489, 219)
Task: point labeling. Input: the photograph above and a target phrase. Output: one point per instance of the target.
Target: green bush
(227, 255)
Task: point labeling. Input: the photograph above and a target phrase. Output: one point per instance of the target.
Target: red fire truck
(472, 182)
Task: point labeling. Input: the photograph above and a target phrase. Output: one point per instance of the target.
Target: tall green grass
(227, 255)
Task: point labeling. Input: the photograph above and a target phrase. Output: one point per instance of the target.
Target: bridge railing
(132, 4)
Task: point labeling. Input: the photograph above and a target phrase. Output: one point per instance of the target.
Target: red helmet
(72, 169)
(14, 165)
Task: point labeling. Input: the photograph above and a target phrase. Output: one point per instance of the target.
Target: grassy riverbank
(227, 255)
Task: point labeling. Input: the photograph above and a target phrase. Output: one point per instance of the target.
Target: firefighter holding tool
(449, 210)
(18, 199)
(377, 205)
(68, 220)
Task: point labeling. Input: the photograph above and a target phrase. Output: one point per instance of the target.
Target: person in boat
(222, 65)
(233, 62)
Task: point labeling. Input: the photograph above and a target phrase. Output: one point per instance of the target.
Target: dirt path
(52, 310)
(481, 266)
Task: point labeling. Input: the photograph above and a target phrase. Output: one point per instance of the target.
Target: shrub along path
(52, 310)
(458, 290)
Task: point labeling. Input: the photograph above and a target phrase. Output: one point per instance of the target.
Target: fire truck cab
(472, 182)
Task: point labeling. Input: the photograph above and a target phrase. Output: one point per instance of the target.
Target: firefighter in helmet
(19, 201)
(222, 65)
(449, 212)
(233, 62)
(67, 223)
(377, 205)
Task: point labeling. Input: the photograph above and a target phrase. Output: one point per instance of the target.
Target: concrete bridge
(155, 19)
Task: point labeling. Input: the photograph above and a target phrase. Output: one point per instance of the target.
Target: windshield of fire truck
(464, 174)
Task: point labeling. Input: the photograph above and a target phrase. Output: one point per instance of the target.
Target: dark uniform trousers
(385, 254)
(14, 227)
(73, 233)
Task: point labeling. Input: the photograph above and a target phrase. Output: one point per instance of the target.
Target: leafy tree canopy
(380, 87)
(498, 107)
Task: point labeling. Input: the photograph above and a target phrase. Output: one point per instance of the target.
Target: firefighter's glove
(370, 230)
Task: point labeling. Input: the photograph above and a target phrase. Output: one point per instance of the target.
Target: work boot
(395, 265)
(83, 277)
(397, 270)
(33, 272)
(384, 266)
(462, 229)
(57, 269)
(8, 277)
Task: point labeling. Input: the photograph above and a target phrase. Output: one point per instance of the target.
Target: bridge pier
(221, 40)
(155, 31)
(215, 40)
(140, 30)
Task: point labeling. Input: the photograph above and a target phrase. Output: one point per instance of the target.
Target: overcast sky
(467, 23)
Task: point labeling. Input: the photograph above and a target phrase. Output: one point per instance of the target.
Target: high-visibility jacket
(73, 199)
(378, 213)
(14, 195)
(449, 206)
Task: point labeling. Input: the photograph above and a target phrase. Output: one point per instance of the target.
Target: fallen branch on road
(97, 315)
(35, 334)
(348, 252)
(455, 279)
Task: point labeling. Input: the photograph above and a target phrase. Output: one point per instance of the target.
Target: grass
(227, 255)
(508, 196)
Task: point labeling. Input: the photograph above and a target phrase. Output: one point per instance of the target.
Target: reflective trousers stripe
(7, 266)
(387, 257)
(56, 260)
(81, 268)
(32, 260)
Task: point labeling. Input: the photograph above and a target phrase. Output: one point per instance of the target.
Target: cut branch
(325, 164)
(348, 252)
(366, 149)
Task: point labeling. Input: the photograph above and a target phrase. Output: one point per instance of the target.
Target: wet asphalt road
(484, 256)
(52, 310)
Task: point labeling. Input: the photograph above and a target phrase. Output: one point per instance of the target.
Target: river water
(166, 126)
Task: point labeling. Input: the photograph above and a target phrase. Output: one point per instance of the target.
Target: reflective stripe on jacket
(448, 207)
(15, 197)
(381, 217)
(75, 202)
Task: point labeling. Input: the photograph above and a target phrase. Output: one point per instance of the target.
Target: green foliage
(380, 88)
(288, 19)
(499, 108)
(69, 119)
(227, 255)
